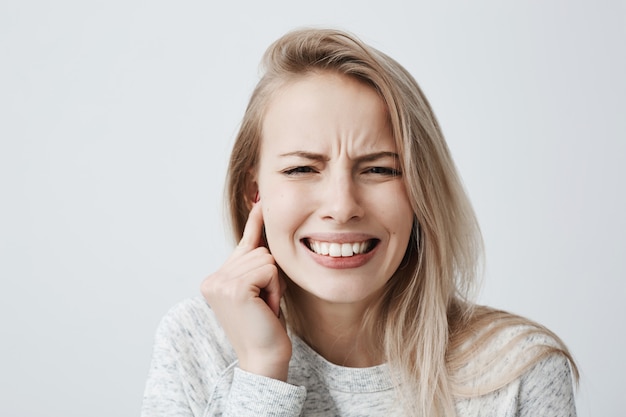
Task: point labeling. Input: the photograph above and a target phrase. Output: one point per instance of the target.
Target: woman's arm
(195, 373)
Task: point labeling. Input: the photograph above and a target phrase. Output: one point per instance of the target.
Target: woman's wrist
(274, 370)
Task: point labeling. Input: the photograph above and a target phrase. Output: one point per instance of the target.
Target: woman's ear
(252, 193)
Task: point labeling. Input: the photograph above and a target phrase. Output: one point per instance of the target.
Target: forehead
(326, 108)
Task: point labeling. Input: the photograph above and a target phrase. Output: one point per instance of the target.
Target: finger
(274, 297)
(281, 317)
(249, 284)
(243, 262)
(271, 288)
(253, 230)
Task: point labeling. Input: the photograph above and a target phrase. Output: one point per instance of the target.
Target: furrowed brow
(364, 158)
(379, 155)
(306, 155)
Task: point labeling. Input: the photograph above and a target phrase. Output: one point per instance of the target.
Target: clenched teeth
(337, 250)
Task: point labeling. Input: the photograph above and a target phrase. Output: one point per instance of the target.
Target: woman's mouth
(343, 250)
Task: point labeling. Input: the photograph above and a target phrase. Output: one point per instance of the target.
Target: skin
(328, 172)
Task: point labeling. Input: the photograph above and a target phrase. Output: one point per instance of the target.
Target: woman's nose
(341, 201)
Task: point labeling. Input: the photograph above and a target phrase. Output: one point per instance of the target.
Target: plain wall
(117, 117)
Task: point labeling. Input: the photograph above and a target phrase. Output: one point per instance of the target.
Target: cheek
(398, 216)
(283, 212)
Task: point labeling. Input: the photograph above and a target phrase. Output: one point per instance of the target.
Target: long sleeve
(254, 395)
(194, 373)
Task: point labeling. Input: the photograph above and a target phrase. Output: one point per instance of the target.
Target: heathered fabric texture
(194, 373)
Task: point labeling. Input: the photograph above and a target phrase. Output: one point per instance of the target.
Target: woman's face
(336, 213)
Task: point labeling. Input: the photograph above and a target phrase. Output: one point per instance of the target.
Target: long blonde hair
(425, 320)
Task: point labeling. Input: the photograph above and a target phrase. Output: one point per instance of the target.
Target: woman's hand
(245, 295)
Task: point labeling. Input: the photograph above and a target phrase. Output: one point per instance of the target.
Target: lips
(340, 249)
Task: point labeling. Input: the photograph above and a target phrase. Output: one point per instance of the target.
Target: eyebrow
(363, 158)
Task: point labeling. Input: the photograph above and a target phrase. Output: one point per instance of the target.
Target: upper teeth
(337, 250)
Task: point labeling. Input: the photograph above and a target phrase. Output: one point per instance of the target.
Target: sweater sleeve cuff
(255, 395)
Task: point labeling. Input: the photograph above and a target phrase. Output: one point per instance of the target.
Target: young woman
(348, 293)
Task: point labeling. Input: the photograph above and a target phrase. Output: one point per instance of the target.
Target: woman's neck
(337, 332)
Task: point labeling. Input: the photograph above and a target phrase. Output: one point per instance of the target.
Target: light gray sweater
(194, 373)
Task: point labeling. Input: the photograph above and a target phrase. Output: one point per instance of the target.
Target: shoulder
(191, 312)
(511, 366)
(192, 361)
(190, 329)
(497, 348)
(546, 389)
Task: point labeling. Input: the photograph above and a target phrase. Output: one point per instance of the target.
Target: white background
(116, 119)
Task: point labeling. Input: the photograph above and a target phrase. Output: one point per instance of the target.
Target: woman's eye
(299, 170)
(390, 172)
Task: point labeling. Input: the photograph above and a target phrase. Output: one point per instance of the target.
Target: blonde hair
(427, 327)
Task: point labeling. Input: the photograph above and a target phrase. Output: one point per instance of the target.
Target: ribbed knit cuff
(255, 395)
